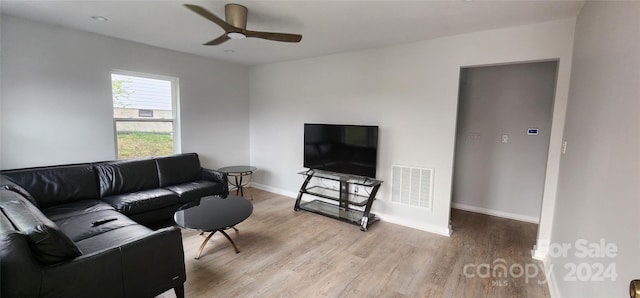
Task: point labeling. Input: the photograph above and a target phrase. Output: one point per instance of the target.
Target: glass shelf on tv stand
(334, 194)
(344, 198)
(349, 215)
(356, 180)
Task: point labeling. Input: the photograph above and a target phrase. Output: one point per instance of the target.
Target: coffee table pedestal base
(209, 237)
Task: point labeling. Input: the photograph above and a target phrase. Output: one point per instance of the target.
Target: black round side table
(238, 173)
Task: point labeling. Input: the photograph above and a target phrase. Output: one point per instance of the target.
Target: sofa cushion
(51, 186)
(91, 224)
(126, 176)
(75, 208)
(112, 238)
(192, 191)
(178, 169)
(142, 201)
(48, 244)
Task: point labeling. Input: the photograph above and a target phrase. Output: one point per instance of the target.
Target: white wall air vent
(412, 186)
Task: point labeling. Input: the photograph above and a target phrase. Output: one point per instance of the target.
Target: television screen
(346, 149)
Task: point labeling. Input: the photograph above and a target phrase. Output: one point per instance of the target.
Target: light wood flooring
(284, 253)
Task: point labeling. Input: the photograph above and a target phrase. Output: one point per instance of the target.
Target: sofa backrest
(118, 177)
(5, 183)
(178, 169)
(55, 185)
(48, 244)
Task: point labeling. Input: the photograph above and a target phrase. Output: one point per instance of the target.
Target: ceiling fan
(235, 26)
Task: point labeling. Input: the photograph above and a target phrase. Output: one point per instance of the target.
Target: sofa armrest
(153, 264)
(93, 275)
(143, 267)
(20, 274)
(217, 176)
(5, 183)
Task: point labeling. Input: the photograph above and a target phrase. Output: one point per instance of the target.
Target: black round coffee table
(214, 214)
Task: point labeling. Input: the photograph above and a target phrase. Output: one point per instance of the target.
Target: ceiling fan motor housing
(236, 15)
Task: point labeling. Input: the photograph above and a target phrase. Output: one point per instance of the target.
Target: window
(145, 115)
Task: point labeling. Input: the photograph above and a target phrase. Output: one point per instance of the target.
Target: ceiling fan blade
(286, 37)
(217, 41)
(211, 17)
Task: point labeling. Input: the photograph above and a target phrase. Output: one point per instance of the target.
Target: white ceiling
(327, 27)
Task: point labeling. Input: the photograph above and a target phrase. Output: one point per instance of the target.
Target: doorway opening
(502, 140)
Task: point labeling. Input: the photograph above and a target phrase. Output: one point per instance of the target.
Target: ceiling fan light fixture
(236, 35)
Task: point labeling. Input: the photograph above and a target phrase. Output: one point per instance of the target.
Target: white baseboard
(540, 253)
(497, 213)
(275, 190)
(411, 224)
(540, 250)
(552, 284)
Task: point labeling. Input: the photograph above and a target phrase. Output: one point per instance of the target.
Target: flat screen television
(345, 149)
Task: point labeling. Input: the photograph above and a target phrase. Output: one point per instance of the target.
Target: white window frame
(175, 108)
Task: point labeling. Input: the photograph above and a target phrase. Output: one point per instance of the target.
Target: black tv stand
(351, 206)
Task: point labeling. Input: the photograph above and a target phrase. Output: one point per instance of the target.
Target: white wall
(490, 176)
(56, 96)
(410, 91)
(600, 173)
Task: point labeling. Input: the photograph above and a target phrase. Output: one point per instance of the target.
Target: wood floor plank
(284, 253)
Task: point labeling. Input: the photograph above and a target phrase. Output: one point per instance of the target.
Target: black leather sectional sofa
(77, 230)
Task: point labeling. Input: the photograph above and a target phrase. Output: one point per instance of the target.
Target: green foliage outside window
(144, 144)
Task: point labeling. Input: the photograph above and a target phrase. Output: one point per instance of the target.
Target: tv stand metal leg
(303, 189)
(364, 222)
